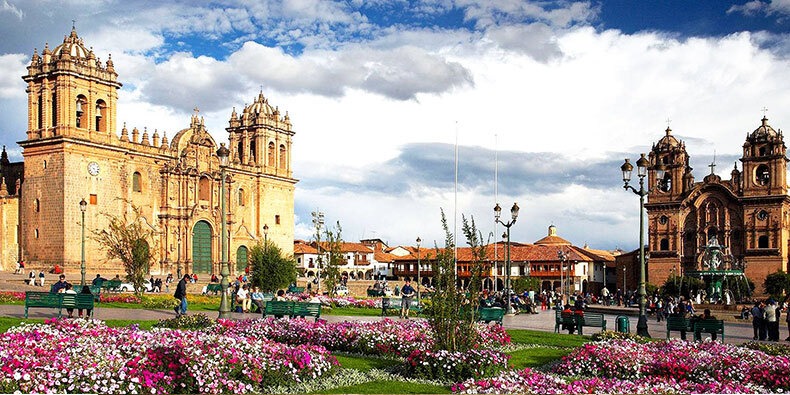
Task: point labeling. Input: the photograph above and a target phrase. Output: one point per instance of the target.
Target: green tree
(452, 312)
(128, 239)
(271, 270)
(681, 286)
(777, 284)
(336, 258)
(526, 283)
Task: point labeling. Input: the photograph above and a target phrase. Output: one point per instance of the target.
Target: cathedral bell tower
(764, 162)
(669, 154)
(70, 92)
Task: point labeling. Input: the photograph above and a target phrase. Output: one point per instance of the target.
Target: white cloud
(11, 84)
(11, 9)
(770, 7)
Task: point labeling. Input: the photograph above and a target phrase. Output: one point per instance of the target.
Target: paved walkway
(735, 331)
(544, 321)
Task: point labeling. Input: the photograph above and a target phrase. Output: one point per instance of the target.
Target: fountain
(719, 269)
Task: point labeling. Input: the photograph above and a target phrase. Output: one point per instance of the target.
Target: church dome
(260, 106)
(552, 238)
(764, 131)
(72, 47)
(668, 141)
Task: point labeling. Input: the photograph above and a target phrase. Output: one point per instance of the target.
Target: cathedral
(73, 152)
(748, 215)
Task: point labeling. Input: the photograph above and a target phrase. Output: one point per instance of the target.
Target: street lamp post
(318, 222)
(224, 304)
(625, 288)
(265, 235)
(626, 168)
(83, 207)
(563, 257)
(418, 270)
(513, 217)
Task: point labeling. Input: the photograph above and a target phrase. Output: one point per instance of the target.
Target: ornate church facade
(749, 214)
(73, 152)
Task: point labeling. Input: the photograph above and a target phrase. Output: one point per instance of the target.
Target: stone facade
(72, 152)
(749, 214)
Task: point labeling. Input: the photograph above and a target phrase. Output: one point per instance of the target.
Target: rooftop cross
(764, 110)
(712, 165)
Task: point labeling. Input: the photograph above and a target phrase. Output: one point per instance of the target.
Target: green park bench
(563, 319)
(78, 301)
(295, 290)
(96, 291)
(43, 299)
(112, 285)
(306, 309)
(678, 324)
(279, 308)
(488, 314)
(213, 288)
(595, 320)
(708, 326)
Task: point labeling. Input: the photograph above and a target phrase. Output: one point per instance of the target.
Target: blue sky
(380, 90)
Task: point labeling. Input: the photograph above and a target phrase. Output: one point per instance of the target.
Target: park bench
(563, 319)
(678, 324)
(595, 320)
(279, 308)
(43, 299)
(78, 301)
(213, 288)
(488, 314)
(708, 326)
(96, 291)
(112, 285)
(295, 290)
(374, 293)
(306, 309)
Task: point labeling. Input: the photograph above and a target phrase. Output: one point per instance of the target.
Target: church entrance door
(201, 248)
(241, 259)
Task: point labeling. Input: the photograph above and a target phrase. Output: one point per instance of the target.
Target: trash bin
(622, 324)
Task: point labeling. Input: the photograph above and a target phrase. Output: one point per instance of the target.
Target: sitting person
(280, 296)
(243, 299)
(257, 298)
(567, 312)
(68, 290)
(85, 290)
(704, 317)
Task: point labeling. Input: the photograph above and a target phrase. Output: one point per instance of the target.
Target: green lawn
(535, 357)
(388, 387)
(364, 363)
(526, 336)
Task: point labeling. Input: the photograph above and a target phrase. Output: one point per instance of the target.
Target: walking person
(41, 277)
(181, 295)
(407, 293)
(772, 320)
(757, 321)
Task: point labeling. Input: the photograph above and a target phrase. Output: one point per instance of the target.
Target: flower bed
(455, 366)
(11, 297)
(624, 366)
(86, 356)
(385, 337)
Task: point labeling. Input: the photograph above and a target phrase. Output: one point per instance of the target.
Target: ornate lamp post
(513, 217)
(418, 270)
(563, 257)
(318, 222)
(224, 304)
(83, 207)
(627, 168)
(265, 235)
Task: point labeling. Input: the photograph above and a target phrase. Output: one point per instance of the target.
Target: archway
(201, 248)
(241, 259)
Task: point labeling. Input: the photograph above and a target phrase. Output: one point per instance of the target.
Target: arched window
(270, 159)
(241, 197)
(101, 116)
(664, 245)
(40, 111)
(252, 151)
(666, 184)
(282, 156)
(137, 182)
(240, 151)
(54, 109)
(82, 112)
(762, 175)
(762, 242)
(37, 205)
(204, 189)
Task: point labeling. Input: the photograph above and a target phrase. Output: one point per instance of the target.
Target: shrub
(454, 366)
(769, 348)
(612, 335)
(188, 322)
